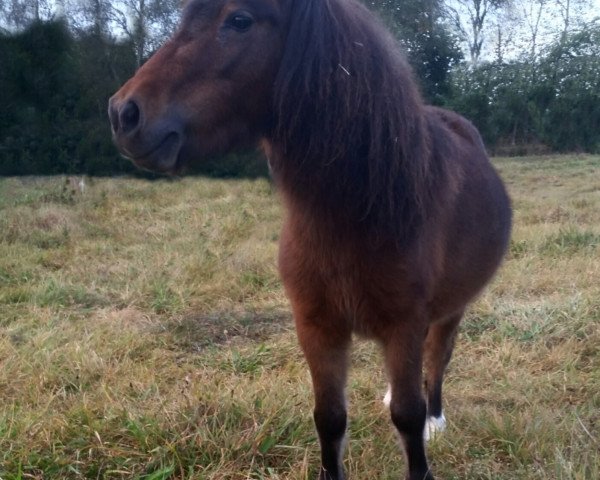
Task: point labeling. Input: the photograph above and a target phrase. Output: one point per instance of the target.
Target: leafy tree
(571, 72)
(496, 98)
(18, 14)
(533, 15)
(472, 18)
(36, 82)
(54, 90)
(554, 101)
(504, 29)
(570, 12)
(92, 16)
(56, 78)
(146, 23)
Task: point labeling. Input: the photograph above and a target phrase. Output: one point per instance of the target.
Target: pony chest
(347, 289)
(329, 275)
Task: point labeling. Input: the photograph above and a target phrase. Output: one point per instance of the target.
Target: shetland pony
(395, 217)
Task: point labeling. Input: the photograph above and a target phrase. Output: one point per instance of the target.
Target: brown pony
(395, 217)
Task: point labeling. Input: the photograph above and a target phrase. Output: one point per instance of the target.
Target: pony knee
(409, 416)
(330, 423)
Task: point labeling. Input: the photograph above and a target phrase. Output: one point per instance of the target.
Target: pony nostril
(129, 118)
(113, 116)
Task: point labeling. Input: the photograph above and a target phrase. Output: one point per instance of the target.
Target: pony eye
(240, 22)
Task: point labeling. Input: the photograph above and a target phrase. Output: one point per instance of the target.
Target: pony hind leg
(403, 351)
(326, 352)
(438, 348)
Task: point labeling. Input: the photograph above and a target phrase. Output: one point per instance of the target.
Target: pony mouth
(163, 158)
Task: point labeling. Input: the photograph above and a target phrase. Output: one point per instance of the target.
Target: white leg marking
(434, 426)
(387, 400)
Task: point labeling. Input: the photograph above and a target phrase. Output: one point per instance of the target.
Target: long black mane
(349, 119)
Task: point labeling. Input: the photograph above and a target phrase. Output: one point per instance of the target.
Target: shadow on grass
(196, 332)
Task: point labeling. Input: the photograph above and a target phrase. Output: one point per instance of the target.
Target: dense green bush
(54, 88)
(554, 102)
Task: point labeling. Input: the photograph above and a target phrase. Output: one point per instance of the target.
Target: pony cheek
(201, 145)
(255, 60)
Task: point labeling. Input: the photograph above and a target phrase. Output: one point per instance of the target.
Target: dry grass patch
(144, 334)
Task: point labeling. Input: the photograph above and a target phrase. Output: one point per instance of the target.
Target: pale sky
(520, 33)
(550, 23)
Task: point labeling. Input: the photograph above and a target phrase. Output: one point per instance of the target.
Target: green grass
(144, 334)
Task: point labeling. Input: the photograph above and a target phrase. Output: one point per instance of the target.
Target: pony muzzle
(152, 145)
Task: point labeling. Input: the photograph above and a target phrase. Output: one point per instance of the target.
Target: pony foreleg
(403, 355)
(327, 355)
(439, 344)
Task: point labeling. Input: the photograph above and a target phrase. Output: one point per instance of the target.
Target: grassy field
(144, 334)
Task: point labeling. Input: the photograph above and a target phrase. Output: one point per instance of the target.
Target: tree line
(526, 73)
